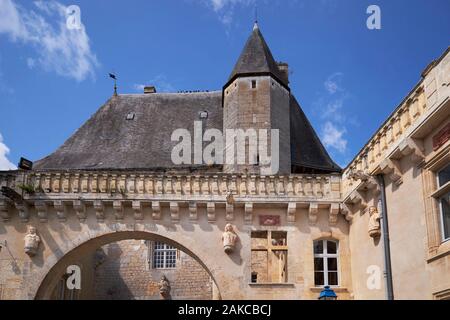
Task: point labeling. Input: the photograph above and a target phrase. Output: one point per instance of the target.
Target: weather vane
(113, 76)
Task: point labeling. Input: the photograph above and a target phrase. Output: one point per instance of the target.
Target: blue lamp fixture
(327, 294)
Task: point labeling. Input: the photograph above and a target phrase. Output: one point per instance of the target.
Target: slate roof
(256, 58)
(110, 141)
(307, 151)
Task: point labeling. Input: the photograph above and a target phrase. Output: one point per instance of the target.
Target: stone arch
(42, 284)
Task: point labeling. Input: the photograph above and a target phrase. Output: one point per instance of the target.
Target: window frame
(439, 194)
(325, 256)
(165, 250)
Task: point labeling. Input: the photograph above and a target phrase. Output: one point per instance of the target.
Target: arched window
(326, 263)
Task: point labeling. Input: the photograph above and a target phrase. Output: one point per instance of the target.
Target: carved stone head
(229, 238)
(32, 241)
(164, 287)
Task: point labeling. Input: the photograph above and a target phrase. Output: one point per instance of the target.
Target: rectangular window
(443, 177)
(269, 257)
(164, 256)
(326, 272)
(253, 84)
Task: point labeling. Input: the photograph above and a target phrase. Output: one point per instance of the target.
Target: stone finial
(32, 241)
(229, 238)
(164, 287)
(374, 223)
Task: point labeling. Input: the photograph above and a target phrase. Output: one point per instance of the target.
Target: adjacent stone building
(112, 205)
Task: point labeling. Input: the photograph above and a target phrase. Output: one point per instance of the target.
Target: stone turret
(257, 96)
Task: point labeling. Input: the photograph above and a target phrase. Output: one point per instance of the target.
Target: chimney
(284, 70)
(149, 89)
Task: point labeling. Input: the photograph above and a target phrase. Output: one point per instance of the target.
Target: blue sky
(347, 78)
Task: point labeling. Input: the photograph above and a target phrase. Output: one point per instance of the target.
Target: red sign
(442, 137)
(269, 220)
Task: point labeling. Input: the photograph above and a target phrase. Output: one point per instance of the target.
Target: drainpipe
(386, 245)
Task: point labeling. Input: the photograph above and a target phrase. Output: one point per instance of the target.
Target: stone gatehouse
(111, 201)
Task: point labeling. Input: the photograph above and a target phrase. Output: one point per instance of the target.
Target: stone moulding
(63, 193)
(133, 185)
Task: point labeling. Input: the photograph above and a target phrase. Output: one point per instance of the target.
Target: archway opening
(130, 265)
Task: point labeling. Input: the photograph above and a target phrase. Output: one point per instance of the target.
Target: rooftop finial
(255, 26)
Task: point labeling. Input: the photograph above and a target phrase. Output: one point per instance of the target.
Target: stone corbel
(137, 209)
(80, 210)
(211, 210)
(24, 215)
(358, 196)
(42, 211)
(373, 185)
(248, 216)
(193, 211)
(118, 210)
(414, 148)
(5, 206)
(156, 210)
(291, 211)
(99, 210)
(174, 211)
(312, 213)
(334, 211)
(60, 209)
(346, 211)
(392, 168)
(229, 209)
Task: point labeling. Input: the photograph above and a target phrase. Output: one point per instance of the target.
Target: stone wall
(123, 271)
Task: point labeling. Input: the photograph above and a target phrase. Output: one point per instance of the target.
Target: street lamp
(327, 294)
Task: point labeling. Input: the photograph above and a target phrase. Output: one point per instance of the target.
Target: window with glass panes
(164, 256)
(326, 263)
(444, 200)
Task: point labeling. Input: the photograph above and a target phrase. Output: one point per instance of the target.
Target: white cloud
(59, 49)
(5, 164)
(333, 137)
(334, 118)
(225, 8)
(332, 84)
(160, 82)
(31, 63)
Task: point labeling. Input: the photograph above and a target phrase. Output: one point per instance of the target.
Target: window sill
(442, 251)
(441, 191)
(272, 284)
(335, 289)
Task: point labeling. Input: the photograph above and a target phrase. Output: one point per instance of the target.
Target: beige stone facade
(279, 220)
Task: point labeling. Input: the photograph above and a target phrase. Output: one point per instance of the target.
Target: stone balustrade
(136, 185)
(58, 191)
(390, 133)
